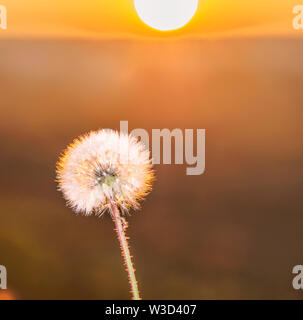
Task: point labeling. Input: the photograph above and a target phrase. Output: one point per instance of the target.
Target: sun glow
(166, 15)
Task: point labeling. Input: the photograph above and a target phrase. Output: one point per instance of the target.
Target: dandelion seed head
(104, 167)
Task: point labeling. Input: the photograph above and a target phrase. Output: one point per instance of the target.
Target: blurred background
(233, 233)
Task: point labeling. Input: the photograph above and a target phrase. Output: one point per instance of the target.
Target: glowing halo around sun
(166, 15)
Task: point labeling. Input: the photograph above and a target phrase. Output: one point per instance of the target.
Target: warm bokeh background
(234, 232)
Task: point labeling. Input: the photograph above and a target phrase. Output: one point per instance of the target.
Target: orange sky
(118, 18)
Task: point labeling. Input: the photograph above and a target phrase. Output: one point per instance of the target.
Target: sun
(166, 15)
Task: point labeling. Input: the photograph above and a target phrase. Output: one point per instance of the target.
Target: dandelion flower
(106, 171)
(104, 167)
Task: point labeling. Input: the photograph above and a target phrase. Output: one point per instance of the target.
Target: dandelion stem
(120, 229)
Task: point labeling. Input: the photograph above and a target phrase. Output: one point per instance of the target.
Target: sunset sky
(109, 18)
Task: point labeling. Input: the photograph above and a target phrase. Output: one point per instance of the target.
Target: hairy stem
(120, 229)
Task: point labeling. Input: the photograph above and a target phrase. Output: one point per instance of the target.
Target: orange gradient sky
(118, 18)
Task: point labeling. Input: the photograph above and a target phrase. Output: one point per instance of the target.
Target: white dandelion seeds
(102, 171)
(104, 167)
